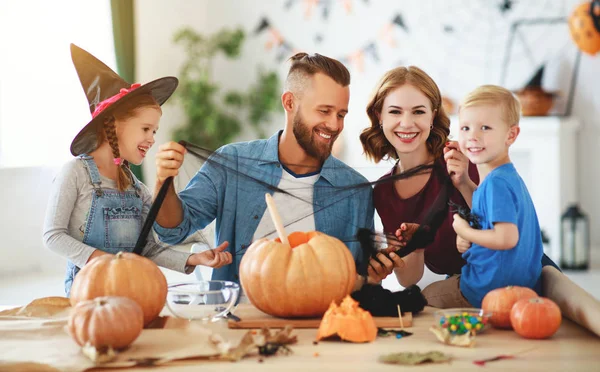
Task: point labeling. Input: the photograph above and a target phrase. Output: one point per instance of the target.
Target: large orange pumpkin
(106, 322)
(583, 31)
(126, 275)
(500, 302)
(299, 279)
(535, 317)
(348, 321)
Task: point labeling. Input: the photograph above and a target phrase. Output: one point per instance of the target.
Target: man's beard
(306, 140)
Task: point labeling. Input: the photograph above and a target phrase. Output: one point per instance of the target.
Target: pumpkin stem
(101, 302)
(119, 255)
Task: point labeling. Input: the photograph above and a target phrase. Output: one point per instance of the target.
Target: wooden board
(251, 317)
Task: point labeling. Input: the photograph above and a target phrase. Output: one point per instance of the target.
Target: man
(231, 188)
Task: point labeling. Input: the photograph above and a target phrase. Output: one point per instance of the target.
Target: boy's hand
(460, 225)
(457, 164)
(462, 244)
(214, 258)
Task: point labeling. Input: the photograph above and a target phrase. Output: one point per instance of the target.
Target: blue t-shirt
(503, 197)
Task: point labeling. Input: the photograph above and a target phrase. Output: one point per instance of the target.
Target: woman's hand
(405, 233)
(457, 164)
(214, 258)
(379, 270)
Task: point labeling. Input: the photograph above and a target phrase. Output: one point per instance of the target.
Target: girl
(97, 206)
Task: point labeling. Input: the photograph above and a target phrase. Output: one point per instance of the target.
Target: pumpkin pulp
(298, 238)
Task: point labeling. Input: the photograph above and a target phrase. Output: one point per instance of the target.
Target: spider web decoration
(462, 43)
(370, 246)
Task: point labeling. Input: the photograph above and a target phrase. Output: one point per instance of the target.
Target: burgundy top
(441, 256)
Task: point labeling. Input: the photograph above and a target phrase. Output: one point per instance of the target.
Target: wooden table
(572, 348)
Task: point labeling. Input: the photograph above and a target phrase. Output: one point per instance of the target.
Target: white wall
(470, 56)
(23, 196)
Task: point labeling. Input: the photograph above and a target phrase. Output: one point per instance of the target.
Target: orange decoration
(299, 279)
(126, 275)
(582, 29)
(349, 322)
(500, 302)
(535, 318)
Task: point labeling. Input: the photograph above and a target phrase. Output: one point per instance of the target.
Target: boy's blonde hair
(495, 95)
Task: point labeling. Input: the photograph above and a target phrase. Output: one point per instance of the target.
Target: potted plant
(213, 117)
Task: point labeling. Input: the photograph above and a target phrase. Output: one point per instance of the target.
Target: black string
(367, 239)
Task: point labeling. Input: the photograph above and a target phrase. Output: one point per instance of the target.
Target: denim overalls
(114, 220)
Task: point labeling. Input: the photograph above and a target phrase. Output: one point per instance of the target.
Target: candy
(462, 323)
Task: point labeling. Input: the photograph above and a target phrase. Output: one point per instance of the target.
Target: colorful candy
(462, 323)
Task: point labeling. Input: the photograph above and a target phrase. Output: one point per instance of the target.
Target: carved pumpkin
(500, 302)
(535, 317)
(106, 322)
(124, 274)
(348, 321)
(583, 31)
(299, 279)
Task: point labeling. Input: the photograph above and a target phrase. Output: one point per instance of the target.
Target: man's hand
(214, 258)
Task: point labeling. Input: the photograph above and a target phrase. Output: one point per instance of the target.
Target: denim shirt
(231, 185)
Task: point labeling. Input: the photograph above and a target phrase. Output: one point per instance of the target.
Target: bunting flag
(282, 47)
(311, 5)
(357, 58)
(386, 32)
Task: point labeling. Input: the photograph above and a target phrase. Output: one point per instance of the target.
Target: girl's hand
(214, 258)
(460, 225)
(462, 244)
(457, 164)
(168, 160)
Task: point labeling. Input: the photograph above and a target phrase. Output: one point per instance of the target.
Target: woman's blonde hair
(495, 95)
(108, 131)
(375, 145)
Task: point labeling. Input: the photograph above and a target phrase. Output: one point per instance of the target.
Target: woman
(408, 124)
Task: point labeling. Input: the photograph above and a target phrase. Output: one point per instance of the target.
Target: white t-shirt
(296, 212)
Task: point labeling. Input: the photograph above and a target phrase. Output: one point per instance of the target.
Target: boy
(508, 249)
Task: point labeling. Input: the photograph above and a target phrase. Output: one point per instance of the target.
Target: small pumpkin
(299, 279)
(124, 274)
(500, 302)
(348, 321)
(536, 318)
(106, 322)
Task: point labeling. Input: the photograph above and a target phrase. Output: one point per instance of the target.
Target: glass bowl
(459, 321)
(208, 300)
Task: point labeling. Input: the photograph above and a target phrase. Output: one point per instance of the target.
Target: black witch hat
(103, 85)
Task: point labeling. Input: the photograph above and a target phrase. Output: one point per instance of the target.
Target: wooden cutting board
(251, 317)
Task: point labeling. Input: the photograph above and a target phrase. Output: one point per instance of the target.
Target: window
(42, 104)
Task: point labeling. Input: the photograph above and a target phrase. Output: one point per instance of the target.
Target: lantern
(575, 239)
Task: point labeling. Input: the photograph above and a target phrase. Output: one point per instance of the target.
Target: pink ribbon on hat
(109, 101)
